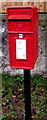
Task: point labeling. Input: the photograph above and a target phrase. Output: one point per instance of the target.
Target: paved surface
(41, 64)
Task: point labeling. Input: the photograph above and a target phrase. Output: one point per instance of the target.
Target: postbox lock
(20, 35)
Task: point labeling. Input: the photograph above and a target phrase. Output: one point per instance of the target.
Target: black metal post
(27, 94)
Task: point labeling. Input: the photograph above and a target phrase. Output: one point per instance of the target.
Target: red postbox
(22, 36)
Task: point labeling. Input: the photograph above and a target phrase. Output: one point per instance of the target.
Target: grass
(13, 97)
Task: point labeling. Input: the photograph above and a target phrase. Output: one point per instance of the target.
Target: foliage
(13, 97)
(38, 95)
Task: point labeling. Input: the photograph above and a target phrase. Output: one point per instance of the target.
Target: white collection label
(20, 48)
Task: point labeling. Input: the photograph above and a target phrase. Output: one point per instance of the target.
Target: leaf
(34, 117)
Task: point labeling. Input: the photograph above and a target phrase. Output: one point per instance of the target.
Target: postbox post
(27, 94)
(23, 44)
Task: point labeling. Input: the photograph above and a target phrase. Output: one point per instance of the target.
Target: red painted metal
(19, 17)
(23, 20)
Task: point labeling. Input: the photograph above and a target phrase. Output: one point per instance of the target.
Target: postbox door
(20, 50)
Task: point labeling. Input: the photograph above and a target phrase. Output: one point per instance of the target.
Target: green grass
(14, 86)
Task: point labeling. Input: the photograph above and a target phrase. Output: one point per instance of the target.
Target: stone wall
(41, 65)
